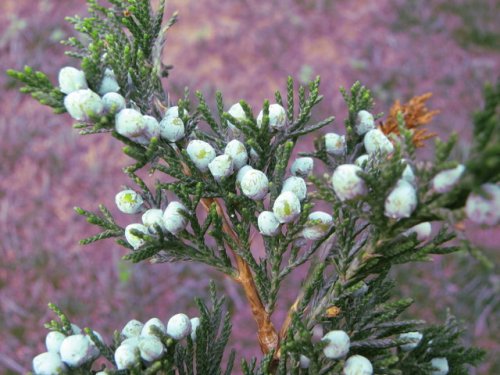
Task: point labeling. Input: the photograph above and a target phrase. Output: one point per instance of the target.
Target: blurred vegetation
(478, 26)
(480, 22)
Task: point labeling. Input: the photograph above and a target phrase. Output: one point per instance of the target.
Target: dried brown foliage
(416, 115)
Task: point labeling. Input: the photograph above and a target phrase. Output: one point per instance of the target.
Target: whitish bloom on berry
(75, 329)
(131, 124)
(302, 167)
(296, 185)
(338, 344)
(179, 326)
(221, 166)
(286, 207)
(277, 117)
(150, 348)
(269, 224)
(195, 323)
(408, 174)
(364, 122)
(242, 172)
(416, 337)
(484, 210)
(238, 113)
(376, 141)
(48, 363)
(201, 154)
(132, 342)
(317, 225)
(254, 184)
(151, 129)
(423, 231)
(126, 356)
(401, 201)
(346, 182)
(129, 201)
(131, 238)
(152, 218)
(441, 366)
(444, 181)
(335, 144)
(108, 83)
(113, 102)
(172, 126)
(53, 341)
(362, 160)
(76, 350)
(238, 152)
(83, 104)
(304, 361)
(72, 79)
(153, 322)
(174, 218)
(358, 365)
(132, 329)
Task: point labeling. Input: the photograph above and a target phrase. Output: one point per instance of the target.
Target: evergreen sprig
(217, 217)
(38, 85)
(204, 356)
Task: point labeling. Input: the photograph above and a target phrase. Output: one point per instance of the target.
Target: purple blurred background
(246, 49)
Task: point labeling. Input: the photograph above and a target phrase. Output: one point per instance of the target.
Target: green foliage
(441, 342)
(371, 318)
(357, 98)
(484, 162)
(105, 221)
(38, 85)
(251, 368)
(129, 39)
(204, 356)
(63, 326)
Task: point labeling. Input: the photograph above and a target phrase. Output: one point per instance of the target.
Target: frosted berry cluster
(337, 347)
(254, 183)
(347, 183)
(482, 206)
(235, 156)
(172, 220)
(66, 351)
(85, 105)
(140, 344)
(288, 205)
(235, 161)
(146, 340)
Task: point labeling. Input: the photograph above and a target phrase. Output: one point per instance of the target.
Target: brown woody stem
(268, 337)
